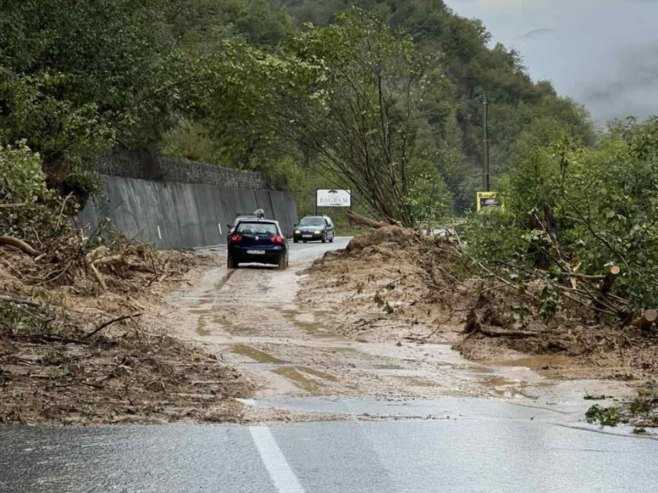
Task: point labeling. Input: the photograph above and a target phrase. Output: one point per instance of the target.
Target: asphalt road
(378, 446)
(387, 456)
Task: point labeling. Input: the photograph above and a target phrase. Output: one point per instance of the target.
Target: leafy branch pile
(41, 249)
(584, 221)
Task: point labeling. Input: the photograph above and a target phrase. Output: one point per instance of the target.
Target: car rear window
(242, 218)
(257, 228)
(312, 221)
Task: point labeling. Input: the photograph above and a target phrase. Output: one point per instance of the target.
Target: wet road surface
(374, 433)
(458, 454)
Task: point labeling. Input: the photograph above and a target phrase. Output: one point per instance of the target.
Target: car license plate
(256, 252)
(307, 236)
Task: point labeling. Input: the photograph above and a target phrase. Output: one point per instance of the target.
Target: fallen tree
(370, 223)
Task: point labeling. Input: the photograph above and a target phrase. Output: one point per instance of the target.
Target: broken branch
(110, 322)
(20, 244)
(17, 301)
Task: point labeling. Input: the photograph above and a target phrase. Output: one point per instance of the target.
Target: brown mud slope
(66, 359)
(388, 285)
(394, 284)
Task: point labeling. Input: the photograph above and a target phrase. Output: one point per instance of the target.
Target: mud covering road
(368, 415)
(283, 333)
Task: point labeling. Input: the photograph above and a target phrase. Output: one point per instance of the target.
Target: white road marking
(277, 466)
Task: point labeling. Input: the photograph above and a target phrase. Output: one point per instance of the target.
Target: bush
(23, 180)
(31, 210)
(599, 205)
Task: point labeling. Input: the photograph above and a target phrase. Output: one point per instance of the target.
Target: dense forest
(313, 93)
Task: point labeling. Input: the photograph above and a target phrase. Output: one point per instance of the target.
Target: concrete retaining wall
(147, 166)
(174, 214)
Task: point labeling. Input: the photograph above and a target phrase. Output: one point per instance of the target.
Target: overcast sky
(603, 53)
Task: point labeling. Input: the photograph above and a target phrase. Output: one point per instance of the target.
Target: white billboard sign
(333, 198)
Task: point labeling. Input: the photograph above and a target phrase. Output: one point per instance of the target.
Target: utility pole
(485, 128)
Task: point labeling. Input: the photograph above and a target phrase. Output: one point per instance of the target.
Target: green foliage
(428, 198)
(369, 93)
(77, 79)
(22, 180)
(471, 68)
(31, 210)
(363, 121)
(495, 237)
(601, 205)
(605, 416)
(549, 301)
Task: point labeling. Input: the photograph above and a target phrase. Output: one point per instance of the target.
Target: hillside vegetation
(384, 98)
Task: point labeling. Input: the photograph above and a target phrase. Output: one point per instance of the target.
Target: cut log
(112, 260)
(20, 244)
(604, 289)
(647, 319)
(365, 221)
(101, 251)
(609, 279)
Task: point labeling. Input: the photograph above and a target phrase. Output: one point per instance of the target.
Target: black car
(259, 241)
(314, 228)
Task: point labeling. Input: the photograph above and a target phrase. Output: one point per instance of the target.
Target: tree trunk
(647, 319)
(366, 221)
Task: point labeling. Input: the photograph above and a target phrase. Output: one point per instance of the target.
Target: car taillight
(277, 240)
(235, 238)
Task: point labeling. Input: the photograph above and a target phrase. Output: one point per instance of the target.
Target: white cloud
(593, 50)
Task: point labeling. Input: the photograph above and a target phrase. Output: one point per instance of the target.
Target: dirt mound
(73, 349)
(130, 376)
(382, 237)
(395, 284)
(384, 286)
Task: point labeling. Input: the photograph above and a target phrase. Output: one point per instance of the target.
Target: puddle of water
(419, 382)
(307, 323)
(497, 382)
(298, 375)
(199, 311)
(345, 350)
(223, 321)
(255, 354)
(537, 362)
(320, 374)
(297, 378)
(201, 327)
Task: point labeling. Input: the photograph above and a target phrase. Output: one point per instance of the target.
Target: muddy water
(250, 318)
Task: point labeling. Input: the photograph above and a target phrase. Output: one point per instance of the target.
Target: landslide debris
(386, 286)
(73, 348)
(395, 284)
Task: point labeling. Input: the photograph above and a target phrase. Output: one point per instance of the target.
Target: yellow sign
(487, 201)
